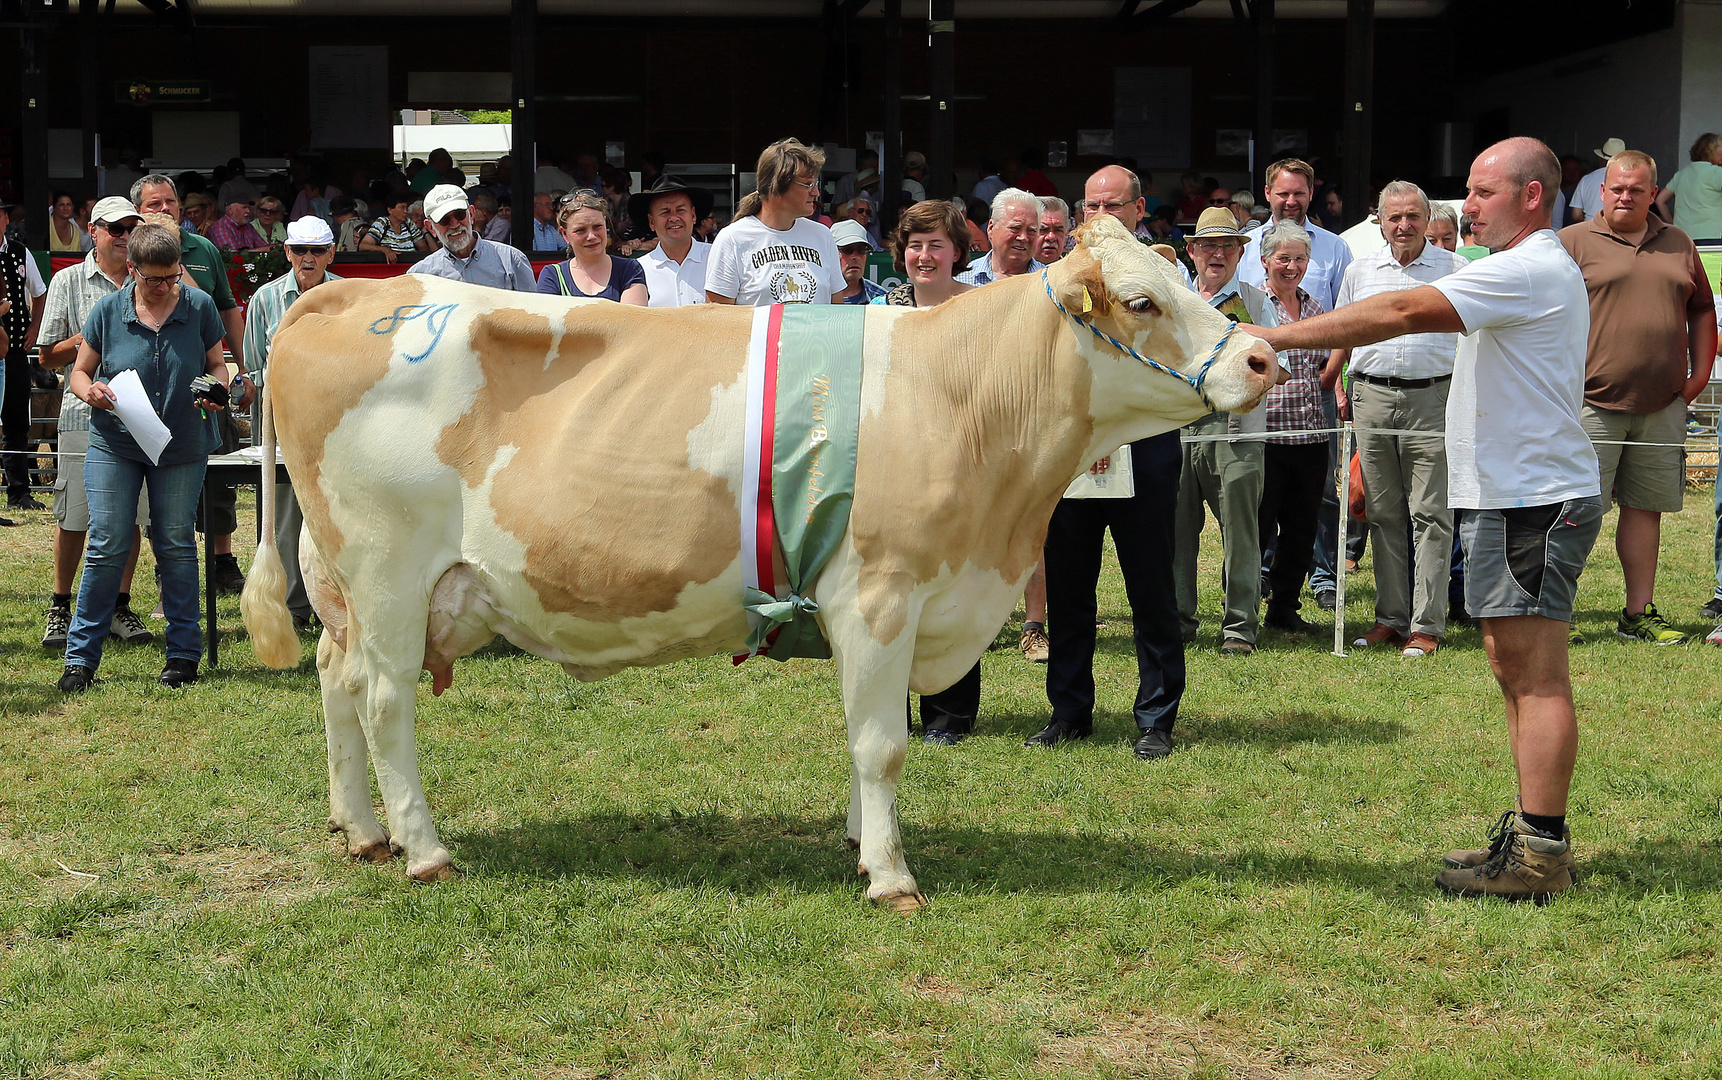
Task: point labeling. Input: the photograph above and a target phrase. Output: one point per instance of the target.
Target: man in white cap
(853, 247)
(1587, 197)
(71, 295)
(466, 256)
(310, 249)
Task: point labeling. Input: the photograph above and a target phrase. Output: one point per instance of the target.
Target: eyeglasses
(1216, 245)
(810, 185)
(1219, 202)
(118, 230)
(269, 210)
(1104, 207)
(297, 249)
(455, 217)
(155, 281)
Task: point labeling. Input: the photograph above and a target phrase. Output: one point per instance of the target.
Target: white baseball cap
(848, 232)
(441, 199)
(310, 231)
(113, 210)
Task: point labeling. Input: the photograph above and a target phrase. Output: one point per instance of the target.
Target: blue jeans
(112, 484)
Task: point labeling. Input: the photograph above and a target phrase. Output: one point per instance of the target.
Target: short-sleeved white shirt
(758, 265)
(1513, 431)
(1587, 197)
(675, 284)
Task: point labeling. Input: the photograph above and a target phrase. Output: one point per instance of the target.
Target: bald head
(1525, 161)
(1511, 190)
(1114, 190)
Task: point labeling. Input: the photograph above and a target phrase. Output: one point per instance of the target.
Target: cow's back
(582, 457)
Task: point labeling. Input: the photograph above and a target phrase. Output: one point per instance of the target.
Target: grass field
(656, 884)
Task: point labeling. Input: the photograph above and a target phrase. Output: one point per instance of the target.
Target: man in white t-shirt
(773, 252)
(1522, 468)
(1587, 196)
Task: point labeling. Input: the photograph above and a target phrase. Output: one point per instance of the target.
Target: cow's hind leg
(875, 685)
(350, 809)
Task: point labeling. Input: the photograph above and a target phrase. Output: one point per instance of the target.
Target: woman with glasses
(773, 252)
(166, 336)
(268, 223)
(584, 221)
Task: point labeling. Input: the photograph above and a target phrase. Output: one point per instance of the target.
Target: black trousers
(955, 707)
(1143, 534)
(1292, 483)
(15, 421)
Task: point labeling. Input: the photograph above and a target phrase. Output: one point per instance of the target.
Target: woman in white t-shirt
(773, 253)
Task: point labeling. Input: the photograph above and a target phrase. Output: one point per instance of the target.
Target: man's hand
(1101, 466)
(243, 388)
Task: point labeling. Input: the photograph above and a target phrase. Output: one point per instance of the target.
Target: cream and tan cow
(566, 474)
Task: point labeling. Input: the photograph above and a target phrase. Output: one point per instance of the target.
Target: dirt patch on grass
(245, 875)
(1168, 1047)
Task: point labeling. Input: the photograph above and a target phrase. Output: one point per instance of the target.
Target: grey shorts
(71, 505)
(1644, 477)
(1526, 560)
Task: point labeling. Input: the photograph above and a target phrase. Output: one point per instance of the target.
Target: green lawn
(656, 883)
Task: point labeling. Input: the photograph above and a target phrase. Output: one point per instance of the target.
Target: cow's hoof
(854, 842)
(904, 904)
(860, 869)
(431, 874)
(395, 846)
(377, 851)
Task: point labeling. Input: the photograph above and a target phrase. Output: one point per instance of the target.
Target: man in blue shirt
(464, 255)
(853, 247)
(1013, 230)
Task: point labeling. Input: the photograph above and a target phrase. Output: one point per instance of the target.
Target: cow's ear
(1084, 289)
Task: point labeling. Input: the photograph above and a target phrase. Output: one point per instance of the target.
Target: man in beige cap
(1587, 197)
(1223, 473)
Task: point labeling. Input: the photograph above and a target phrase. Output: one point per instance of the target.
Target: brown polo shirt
(1641, 301)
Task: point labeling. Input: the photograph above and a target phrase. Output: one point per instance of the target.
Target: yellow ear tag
(1087, 301)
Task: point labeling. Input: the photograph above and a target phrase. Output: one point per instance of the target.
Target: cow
(568, 474)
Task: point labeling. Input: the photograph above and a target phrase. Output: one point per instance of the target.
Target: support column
(1262, 15)
(92, 42)
(891, 157)
(33, 161)
(523, 42)
(1359, 106)
(941, 152)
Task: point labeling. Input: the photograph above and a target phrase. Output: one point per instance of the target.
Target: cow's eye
(1142, 305)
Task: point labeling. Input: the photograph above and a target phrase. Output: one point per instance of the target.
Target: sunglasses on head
(303, 249)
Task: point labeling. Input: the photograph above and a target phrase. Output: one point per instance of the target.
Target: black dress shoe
(1289, 621)
(77, 679)
(179, 672)
(1327, 599)
(1154, 743)
(23, 502)
(1059, 731)
(940, 737)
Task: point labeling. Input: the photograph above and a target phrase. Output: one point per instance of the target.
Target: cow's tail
(263, 604)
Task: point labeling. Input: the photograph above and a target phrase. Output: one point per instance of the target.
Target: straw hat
(1215, 223)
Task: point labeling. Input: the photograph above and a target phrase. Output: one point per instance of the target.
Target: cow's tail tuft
(263, 604)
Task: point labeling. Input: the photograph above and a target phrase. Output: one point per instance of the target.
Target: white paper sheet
(1113, 482)
(132, 405)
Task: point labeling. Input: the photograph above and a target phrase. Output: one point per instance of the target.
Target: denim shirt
(166, 360)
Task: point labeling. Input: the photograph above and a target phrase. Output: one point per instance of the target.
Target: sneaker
(1035, 647)
(1527, 866)
(1380, 634)
(1573, 636)
(1693, 427)
(1327, 599)
(1712, 610)
(1648, 625)
(54, 632)
(1420, 644)
(1715, 636)
(226, 576)
(129, 628)
(178, 672)
(76, 679)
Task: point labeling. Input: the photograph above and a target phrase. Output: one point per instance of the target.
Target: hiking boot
(1527, 866)
(226, 576)
(1464, 859)
(1648, 625)
(1712, 609)
(129, 628)
(54, 631)
(1380, 634)
(76, 679)
(1035, 646)
(1420, 644)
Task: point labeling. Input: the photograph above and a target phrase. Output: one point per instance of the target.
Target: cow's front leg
(875, 685)
(350, 809)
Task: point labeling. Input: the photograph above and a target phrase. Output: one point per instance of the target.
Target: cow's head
(1114, 283)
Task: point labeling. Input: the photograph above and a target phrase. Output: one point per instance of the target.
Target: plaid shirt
(229, 235)
(1296, 404)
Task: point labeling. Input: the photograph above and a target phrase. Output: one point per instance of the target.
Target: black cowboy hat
(640, 205)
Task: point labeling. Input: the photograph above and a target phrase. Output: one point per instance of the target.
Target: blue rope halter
(1195, 383)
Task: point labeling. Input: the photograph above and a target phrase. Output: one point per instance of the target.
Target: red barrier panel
(57, 263)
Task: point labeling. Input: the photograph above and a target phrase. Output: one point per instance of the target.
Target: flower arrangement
(248, 271)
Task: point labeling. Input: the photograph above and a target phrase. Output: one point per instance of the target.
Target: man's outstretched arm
(1423, 310)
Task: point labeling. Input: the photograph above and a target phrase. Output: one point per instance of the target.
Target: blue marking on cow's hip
(435, 317)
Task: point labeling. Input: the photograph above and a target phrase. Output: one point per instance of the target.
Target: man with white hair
(1401, 384)
(1013, 230)
(310, 249)
(466, 256)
